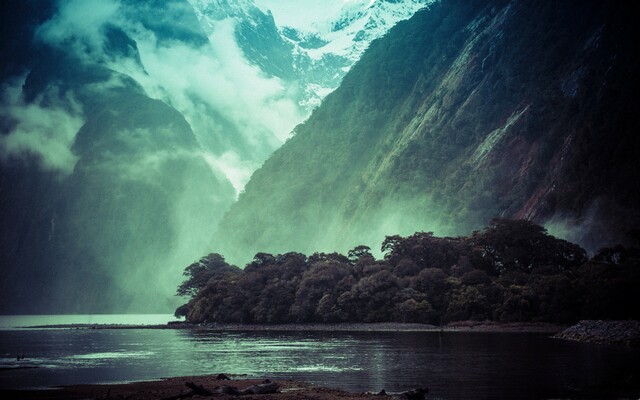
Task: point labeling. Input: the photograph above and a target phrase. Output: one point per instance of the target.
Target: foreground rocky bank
(196, 388)
(620, 333)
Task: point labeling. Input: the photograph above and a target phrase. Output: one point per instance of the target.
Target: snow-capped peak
(357, 24)
(323, 38)
(310, 15)
(341, 39)
(220, 9)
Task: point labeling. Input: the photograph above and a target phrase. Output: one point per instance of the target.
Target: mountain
(467, 111)
(325, 50)
(255, 31)
(127, 129)
(105, 190)
(312, 53)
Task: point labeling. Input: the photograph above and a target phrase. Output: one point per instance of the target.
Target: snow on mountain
(325, 50)
(358, 23)
(303, 14)
(209, 11)
(310, 42)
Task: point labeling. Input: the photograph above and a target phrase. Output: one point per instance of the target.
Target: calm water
(452, 365)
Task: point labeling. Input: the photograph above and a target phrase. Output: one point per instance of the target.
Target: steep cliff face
(465, 112)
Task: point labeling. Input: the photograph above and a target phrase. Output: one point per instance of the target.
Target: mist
(131, 127)
(603, 224)
(233, 108)
(44, 132)
(123, 146)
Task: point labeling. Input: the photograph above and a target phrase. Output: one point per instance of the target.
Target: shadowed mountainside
(465, 112)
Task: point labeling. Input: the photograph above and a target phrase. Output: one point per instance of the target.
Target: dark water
(452, 365)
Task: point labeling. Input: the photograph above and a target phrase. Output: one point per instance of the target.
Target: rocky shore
(619, 333)
(198, 387)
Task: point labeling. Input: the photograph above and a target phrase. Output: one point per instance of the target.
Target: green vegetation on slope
(467, 111)
(511, 271)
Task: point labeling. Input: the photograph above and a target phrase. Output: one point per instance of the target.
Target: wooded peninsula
(512, 271)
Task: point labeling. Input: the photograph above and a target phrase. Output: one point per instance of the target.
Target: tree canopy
(513, 270)
(200, 272)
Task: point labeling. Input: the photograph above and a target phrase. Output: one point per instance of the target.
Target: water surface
(454, 365)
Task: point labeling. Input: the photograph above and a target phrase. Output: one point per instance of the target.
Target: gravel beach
(175, 388)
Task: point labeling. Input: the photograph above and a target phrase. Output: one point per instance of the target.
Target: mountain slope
(105, 190)
(463, 113)
(127, 128)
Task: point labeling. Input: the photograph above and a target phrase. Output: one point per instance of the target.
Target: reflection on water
(452, 365)
(112, 354)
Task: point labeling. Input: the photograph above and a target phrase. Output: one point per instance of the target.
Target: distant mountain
(467, 111)
(314, 57)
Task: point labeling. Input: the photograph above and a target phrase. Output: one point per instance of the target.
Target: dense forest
(513, 270)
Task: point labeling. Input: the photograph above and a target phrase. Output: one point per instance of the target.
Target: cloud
(45, 132)
(78, 25)
(231, 105)
(220, 76)
(206, 82)
(604, 223)
(232, 166)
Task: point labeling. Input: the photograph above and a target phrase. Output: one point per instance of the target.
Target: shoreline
(462, 326)
(176, 388)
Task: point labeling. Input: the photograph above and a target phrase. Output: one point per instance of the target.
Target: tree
(424, 249)
(467, 303)
(413, 306)
(319, 280)
(511, 271)
(521, 245)
(260, 260)
(360, 252)
(200, 272)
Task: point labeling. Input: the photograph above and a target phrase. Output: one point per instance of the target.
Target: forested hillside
(467, 111)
